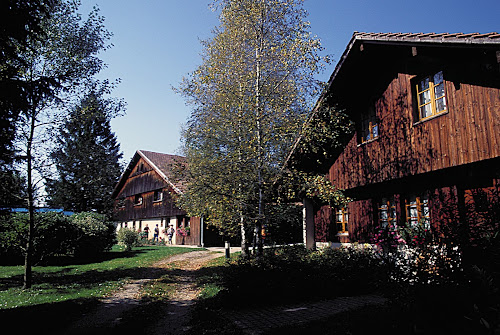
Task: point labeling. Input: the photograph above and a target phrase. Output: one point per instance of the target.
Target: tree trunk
(258, 108)
(28, 258)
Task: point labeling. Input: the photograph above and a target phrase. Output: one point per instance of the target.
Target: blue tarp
(40, 210)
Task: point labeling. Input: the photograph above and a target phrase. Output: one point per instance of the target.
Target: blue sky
(156, 43)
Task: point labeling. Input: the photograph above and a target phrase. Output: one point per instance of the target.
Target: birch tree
(249, 97)
(55, 65)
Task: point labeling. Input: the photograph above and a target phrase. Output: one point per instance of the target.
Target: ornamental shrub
(127, 238)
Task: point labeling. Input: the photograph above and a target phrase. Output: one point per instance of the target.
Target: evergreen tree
(87, 156)
(55, 63)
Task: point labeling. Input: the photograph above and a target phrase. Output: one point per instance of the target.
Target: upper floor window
(158, 195)
(138, 200)
(431, 97)
(387, 212)
(342, 218)
(369, 126)
(417, 211)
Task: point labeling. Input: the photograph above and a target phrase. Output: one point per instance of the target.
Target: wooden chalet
(427, 142)
(144, 197)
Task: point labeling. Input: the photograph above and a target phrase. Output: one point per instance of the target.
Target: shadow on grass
(64, 275)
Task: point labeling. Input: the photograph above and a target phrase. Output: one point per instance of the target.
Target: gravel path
(174, 319)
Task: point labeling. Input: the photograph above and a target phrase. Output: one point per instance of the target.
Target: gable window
(387, 213)
(158, 196)
(417, 211)
(342, 218)
(138, 200)
(431, 97)
(369, 126)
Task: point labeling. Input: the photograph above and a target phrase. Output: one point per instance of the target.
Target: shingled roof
(162, 163)
(472, 38)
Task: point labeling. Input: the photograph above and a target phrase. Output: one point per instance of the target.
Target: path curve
(108, 315)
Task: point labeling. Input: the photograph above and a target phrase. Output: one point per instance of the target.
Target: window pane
(441, 104)
(439, 90)
(413, 212)
(424, 84)
(425, 97)
(426, 111)
(393, 213)
(438, 78)
(375, 130)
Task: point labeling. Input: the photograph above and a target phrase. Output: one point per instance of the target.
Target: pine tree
(87, 156)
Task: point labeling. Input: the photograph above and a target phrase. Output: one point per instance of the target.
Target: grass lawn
(70, 288)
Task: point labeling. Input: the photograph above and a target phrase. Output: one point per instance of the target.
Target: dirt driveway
(108, 316)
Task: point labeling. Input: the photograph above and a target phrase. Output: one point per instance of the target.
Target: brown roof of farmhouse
(471, 38)
(164, 164)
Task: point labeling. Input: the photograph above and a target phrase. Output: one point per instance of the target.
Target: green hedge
(81, 235)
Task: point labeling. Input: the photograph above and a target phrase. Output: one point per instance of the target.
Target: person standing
(170, 234)
(157, 232)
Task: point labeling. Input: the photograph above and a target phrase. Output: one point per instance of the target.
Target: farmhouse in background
(144, 197)
(427, 141)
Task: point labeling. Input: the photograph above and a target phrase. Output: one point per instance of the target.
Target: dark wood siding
(144, 181)
(469, 132)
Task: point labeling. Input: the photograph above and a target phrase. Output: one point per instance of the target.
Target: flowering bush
(182, 232)
(387, 238)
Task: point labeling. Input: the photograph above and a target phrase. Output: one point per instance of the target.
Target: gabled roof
(163, 164)
(471, 38)
(353, 51)
(414, 39)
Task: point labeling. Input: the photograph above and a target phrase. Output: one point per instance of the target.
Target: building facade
(426, 148)
(144, 197)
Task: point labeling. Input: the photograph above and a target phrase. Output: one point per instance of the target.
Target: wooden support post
(308, 224)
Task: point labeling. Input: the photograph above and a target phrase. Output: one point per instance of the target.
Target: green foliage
(252, 92)
(432, 282)
(84, 235)
(295, 273)
(87, 155)
(95, 234)
(127, 238)
(325, 132)
(12, 238)
(12, 188)
(283, 224)
(21, 24)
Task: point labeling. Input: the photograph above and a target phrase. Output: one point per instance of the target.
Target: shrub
(295, 273)
(94, 234)
(54, 235)
(127, 238)
(431, 282)
(13, 232)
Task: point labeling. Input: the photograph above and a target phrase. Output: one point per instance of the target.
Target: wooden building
(144, 197)
(427, 141)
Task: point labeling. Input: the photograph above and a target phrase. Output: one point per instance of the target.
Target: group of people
(170, 233)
